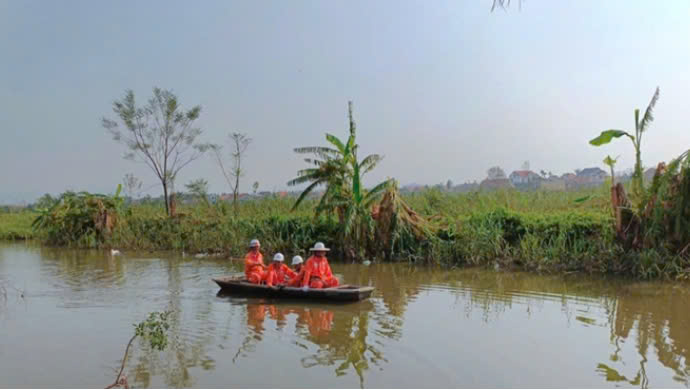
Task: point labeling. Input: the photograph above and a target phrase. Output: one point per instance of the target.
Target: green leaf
(610, 161)
(119, 189)
(336, 142)
(356, 185)
(583, 199)
(607, 135)
(648, 114)
(304, 194)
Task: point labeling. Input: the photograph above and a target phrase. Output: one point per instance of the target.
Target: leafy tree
(496, 173)
(45, 202)
(239, 143)
(199, 189)
(160, 134)
(132, 185)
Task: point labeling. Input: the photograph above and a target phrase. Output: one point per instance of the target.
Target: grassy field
(542, 231)
(16, 225)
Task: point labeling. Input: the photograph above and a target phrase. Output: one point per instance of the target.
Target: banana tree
(641, 126)
(338, 169)
(611, 163)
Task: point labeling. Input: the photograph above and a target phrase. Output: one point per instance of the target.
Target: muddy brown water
(423, 327)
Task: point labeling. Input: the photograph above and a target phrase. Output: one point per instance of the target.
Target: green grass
(16, 225)
(539, 231)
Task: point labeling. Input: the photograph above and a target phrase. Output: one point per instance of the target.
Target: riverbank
(537, 231)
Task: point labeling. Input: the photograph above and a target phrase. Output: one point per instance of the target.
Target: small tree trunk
(122, 367)
(173, 205)
(234, 202)
(616, 206)
(165, 198)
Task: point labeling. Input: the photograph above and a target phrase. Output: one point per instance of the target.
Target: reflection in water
(635, 334)
(341, 336)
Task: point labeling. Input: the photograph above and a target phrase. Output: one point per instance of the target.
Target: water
(421, 328)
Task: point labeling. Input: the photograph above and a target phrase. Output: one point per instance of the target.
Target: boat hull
(345, 293)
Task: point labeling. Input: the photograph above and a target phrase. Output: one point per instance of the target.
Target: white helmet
(297, 260)
(278, 257)
(253, 243)
(319, 246)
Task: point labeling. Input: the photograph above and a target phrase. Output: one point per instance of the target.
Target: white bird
(366, 262)
(115, 252)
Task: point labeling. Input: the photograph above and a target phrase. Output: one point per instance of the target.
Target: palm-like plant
(641, 126)
(338, 169)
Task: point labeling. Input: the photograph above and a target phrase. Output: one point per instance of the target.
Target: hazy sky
(444, 89)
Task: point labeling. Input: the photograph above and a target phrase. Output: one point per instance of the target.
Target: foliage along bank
(529, 232)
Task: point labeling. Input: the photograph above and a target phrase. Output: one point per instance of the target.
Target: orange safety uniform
(316, 273)
(254, 268)
(278, 274)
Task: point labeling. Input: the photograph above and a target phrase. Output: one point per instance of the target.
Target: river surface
(423, 327)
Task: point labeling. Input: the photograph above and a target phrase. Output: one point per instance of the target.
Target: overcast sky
(443, 89)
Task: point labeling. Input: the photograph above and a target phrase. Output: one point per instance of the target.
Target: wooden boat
(344, 293)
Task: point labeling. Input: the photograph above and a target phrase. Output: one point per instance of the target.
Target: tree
(45, 202)
(239, 143)
(255, 187)
(198, 188)
(337, 167)
(496, 173)
(160, 134)
(641, 126)
(132, 185)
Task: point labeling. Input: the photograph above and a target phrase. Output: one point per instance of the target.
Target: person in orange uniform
(298, 265)
(278, 273)
(254, 268)
(317, 272)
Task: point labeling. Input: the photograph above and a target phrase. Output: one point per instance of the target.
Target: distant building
(525, 180)
(586, 178)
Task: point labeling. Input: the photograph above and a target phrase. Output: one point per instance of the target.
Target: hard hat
(319, 246)
(297, 260)
(254, 243)
(278, 257)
